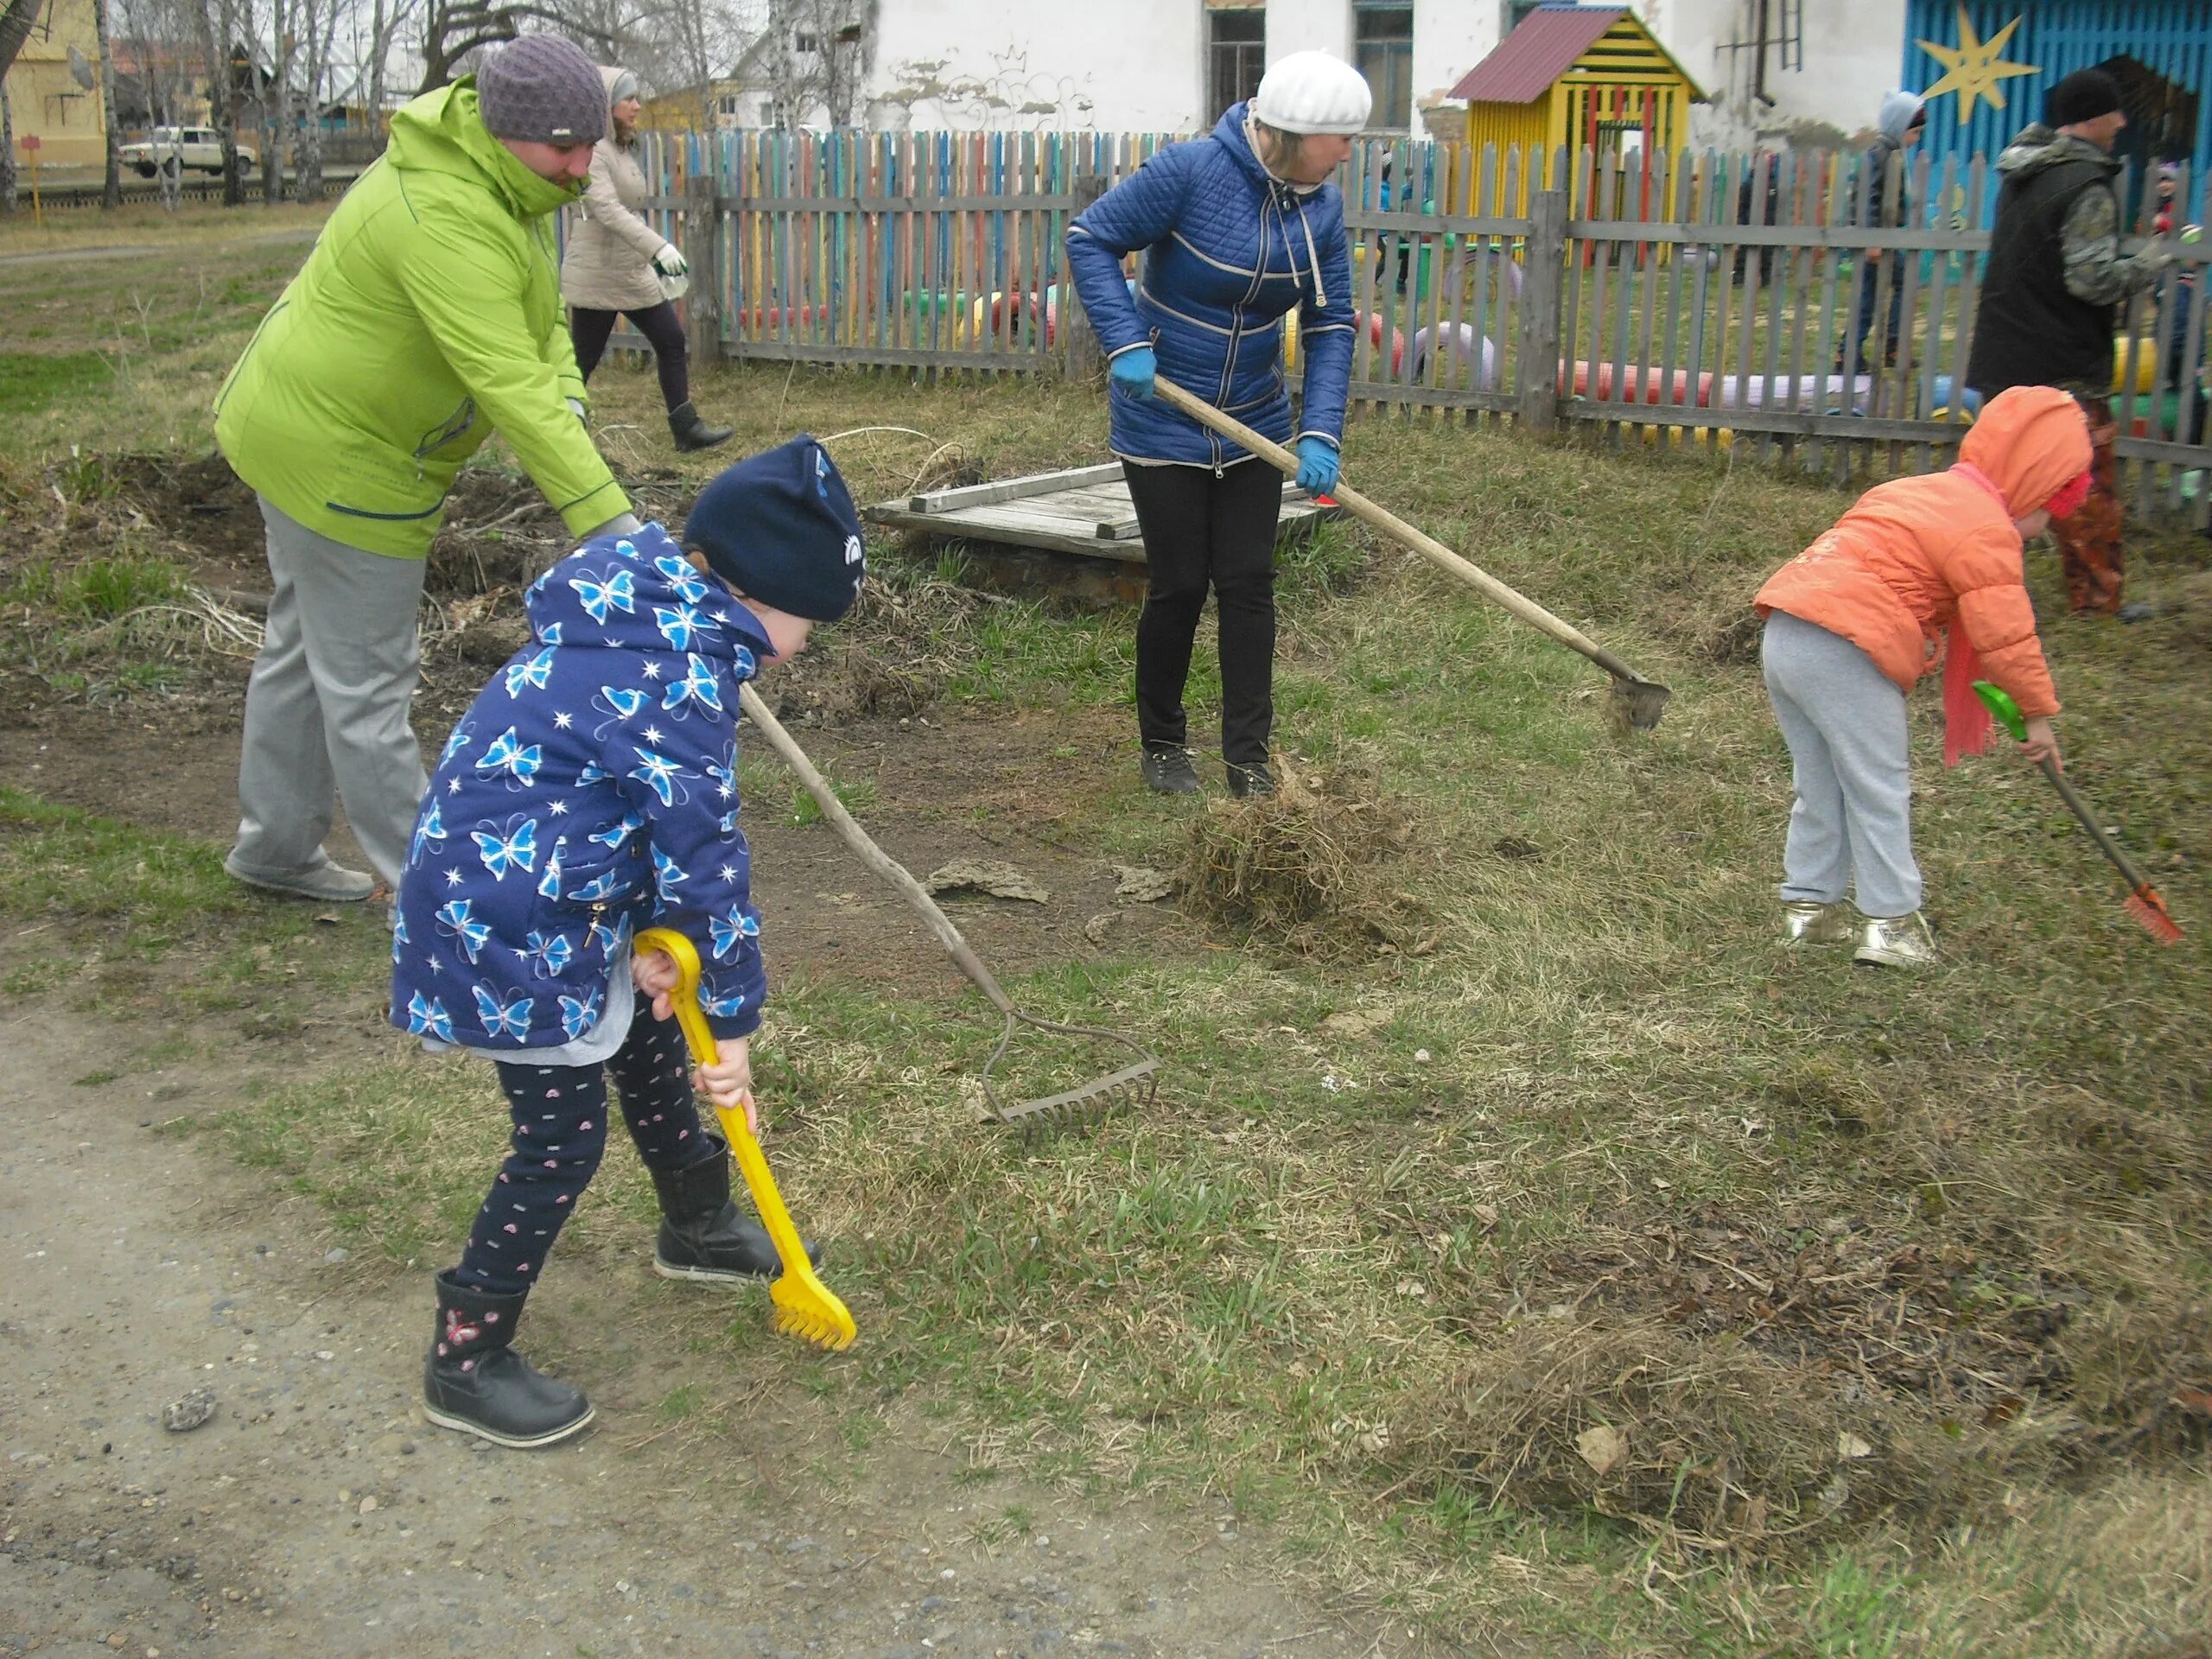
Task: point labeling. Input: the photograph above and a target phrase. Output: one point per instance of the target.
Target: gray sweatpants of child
(327, 707)
(1845, 723)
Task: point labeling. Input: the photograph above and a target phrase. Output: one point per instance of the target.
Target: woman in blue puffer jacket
(1237, 228)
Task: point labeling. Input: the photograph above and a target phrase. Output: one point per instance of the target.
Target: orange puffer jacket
(1918, 554)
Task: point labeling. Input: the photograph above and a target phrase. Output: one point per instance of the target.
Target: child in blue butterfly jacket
(591, 789)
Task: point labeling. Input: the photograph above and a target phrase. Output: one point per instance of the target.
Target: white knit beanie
(1311, 92)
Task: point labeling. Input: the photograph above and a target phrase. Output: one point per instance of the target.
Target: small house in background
(54, 92)
(1583, 77)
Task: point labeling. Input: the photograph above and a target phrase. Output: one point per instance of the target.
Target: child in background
(1857, 618)
(591, 788)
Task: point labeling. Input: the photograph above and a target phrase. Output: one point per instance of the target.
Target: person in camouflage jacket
(2055, 293)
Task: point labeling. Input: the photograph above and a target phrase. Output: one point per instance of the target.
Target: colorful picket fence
(936, 250)
(1682, 298)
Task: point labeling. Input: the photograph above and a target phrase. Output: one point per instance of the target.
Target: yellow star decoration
(1974, 67)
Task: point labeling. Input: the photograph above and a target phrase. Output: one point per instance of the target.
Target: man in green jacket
(428, 315)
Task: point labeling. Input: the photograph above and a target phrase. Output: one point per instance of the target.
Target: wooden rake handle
(2105, 845)
(1401, 532)
(868, 853)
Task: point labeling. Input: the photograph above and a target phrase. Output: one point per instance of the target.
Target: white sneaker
(328, 882)
(1896, 942)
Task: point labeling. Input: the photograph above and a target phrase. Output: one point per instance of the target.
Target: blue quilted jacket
(590, 789)
(1227, 252)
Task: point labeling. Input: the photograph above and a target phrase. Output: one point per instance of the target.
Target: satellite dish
(80, 70)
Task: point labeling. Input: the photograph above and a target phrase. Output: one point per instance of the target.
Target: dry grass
(1317, 869)
(142, 224)
(1710, 1443)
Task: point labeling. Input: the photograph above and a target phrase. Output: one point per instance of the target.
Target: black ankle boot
(1254, 778)
(1169, 771)
(474, 1381)
(692, 433)
(704, 1237)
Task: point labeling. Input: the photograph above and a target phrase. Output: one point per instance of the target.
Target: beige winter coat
(608, 263)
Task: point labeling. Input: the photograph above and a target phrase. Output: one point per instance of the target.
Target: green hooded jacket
(428, 314)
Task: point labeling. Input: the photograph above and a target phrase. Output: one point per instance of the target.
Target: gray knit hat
(542, 89)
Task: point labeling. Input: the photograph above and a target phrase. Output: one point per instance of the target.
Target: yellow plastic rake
(806, 1307)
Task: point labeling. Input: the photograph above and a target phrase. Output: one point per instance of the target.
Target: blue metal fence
(2171, 39)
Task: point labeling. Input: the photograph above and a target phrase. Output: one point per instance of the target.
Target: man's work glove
(1131, 372)
(669, 261)
(1317, 466)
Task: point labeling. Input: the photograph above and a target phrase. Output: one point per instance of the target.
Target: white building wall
(1309, 26)
(1853, 52)
(1134, 66)
(1113, 66)
(1449, 38)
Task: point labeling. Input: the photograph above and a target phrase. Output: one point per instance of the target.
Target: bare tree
(318, 22)
(386, 19)
(223, 21)
(7, 152)
(275, 100)
(111, 191)
(16, 17)
(816, 57)
(695, 35)
(162, 40)
(453, 29)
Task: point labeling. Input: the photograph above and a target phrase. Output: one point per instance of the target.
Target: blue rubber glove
(1317, 466)
(1131, 372)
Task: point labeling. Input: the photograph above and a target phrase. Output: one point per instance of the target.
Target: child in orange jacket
(1858, 617)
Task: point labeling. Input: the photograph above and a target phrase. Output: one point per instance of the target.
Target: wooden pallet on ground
(1084, 510)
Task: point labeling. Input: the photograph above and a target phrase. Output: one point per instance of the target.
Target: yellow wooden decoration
(1975, 68)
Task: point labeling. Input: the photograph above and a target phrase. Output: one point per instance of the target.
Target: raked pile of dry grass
(1320, 869)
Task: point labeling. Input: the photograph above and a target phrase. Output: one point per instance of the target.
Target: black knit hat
(2082, 96)
(779, 527)
(542, 89)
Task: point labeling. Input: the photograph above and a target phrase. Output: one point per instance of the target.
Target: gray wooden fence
(1692, 298)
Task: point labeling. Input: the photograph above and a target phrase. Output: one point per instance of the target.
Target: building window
(804, 43)
(1382, 50)
(1236, 56)
(726, 106)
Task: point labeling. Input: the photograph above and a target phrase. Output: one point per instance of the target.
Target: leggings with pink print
(560, 1116)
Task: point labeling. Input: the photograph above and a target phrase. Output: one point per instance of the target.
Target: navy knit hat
(2082, 96)
(542, 89)
(779, 527)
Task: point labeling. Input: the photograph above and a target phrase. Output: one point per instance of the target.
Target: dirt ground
(316, 1512)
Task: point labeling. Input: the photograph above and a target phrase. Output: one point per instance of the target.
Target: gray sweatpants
(326, 709)
(1845, 723)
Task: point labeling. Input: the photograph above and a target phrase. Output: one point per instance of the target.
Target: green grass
(31, 382)
(110, 901)
(1400, 1226)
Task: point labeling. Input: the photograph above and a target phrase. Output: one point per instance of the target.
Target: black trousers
(589, 330)
(1203, 532)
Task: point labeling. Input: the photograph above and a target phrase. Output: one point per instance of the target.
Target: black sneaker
(1170, 772)
(1252, 779)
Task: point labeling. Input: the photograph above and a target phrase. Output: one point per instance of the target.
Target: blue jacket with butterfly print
(590, 790)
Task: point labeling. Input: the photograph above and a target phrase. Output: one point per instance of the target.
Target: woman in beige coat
(615, 264)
